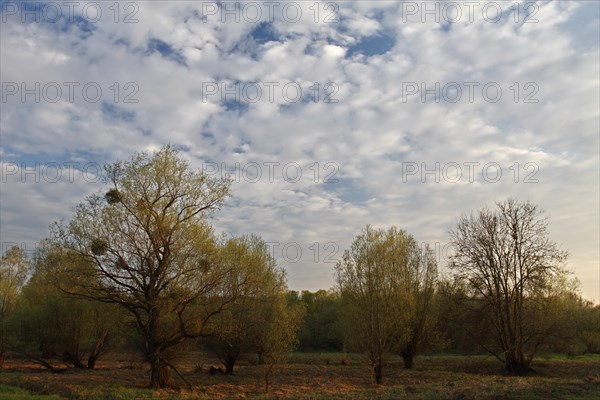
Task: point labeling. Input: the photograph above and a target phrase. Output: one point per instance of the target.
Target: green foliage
(51, 323)
(460, 321)
(570, 325)
(151, 250)
(321, 329)
(240, 327)
(14, 267)
(590, 327)
(386, 284)
(281, 335)
(558, 318)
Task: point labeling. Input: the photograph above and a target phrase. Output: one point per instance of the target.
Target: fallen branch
(168, 364)
(39, 361)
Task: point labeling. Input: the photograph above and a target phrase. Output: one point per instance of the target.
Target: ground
(313, 376)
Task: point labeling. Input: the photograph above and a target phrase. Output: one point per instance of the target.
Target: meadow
(318, 376)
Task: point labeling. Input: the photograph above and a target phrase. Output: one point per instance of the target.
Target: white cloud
(368, 136)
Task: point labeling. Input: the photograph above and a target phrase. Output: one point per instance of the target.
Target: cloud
(366, 114)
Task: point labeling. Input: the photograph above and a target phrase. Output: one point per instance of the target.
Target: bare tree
(151, 251)
(507, 258)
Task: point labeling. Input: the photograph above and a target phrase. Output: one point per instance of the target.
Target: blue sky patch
(53, 15)
(165, 50)
(348, 190)
(235, 106)
(117, 113)
(373, 45)
(251, 44)
(446, 26)
(263, 33)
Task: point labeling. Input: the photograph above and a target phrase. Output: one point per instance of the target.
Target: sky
(326, 115)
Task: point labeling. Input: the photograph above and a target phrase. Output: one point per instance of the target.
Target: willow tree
(14, 267)
(239, 329)
(50, 323)
(421, 310)
(151, 250)
(508, 259)
(386, 283)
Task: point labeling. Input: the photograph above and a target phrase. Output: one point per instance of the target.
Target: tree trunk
(515, 367)
(91, 362)
(47, 353)
(159, 371)
(261, 356)
(516, 364)
(408, 356)
(98, 350)
(3, 349)
(268, 370)
(378, 371)
(229, 364)
(74, 359)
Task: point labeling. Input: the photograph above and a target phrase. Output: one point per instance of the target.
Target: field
(313, 376)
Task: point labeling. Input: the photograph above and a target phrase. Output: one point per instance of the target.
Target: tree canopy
(151, 250)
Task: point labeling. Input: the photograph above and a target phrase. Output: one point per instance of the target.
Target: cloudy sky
(328, 115)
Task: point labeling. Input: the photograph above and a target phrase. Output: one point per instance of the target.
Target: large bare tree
(507, 258)
(151, 250)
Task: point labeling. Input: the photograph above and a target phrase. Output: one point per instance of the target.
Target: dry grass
(307, 376)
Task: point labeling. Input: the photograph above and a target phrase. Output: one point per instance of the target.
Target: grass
(319, 377)
(15, 393)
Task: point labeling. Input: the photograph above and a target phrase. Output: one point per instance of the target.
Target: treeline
(139, 267)
(460, 326)
(44, 323)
